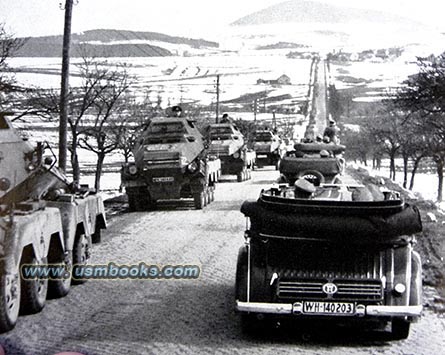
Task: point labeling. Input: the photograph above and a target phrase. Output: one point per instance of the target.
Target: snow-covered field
(187, 79)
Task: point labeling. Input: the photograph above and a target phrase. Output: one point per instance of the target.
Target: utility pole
(64, 90)
(274, 121)
(255, 109)
(217, 98)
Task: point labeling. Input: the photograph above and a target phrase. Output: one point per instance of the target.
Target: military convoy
(316, 162)
(323, 254)
(267, 147)
(228, 144)
(171, 162)
(44, 219)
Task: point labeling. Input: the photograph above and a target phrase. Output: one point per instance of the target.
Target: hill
(113, 43)
(301, 11)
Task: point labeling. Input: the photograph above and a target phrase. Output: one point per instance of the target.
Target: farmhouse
(282, 80)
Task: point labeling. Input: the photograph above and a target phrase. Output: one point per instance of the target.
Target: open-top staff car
(316, 162)
(324, 254)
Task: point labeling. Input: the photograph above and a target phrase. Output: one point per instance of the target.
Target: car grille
(350, 290)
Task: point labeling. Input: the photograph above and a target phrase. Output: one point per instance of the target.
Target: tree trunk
(439, 165)
(75, 161)
(364, 159)
(99, 166)
(405, 170)
(392, 166)
(414, 171)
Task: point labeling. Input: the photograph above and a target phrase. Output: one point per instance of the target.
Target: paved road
(320, 99)
(187, 316)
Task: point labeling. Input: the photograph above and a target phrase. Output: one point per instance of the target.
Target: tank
(171, 162)
(324, 254)
(316, 162)
(228, 144)
(267, 147)
(44, 219)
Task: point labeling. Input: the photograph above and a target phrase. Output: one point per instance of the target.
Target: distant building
(282, 80)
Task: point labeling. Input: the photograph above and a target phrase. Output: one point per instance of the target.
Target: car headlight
(236, 155)
(192, 167)
(400, 288)
(132, 169)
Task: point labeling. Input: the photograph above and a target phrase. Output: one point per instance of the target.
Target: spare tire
(313, 176)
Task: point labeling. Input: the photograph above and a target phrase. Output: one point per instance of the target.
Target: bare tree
(8, 46)
(101, 136)
(423, 95)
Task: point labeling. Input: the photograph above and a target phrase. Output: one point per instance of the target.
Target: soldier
(332, 132)
(225, 118)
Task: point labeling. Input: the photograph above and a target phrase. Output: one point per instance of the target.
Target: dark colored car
(316, 162)
(323, 255)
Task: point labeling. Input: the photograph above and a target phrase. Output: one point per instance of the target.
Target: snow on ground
(425, 184)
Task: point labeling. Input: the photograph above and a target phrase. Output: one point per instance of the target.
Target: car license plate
(261, 156)
(328, 308)
(164, 179)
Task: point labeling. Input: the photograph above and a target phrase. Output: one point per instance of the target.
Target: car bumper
(361, 310)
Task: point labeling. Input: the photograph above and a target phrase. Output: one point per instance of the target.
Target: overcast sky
(175, 17)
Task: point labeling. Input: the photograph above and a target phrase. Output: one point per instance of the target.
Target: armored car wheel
(10, 288)
(400, 329)
(81, 255)
(208, 196)
(61, 287)
(199, 200)
(135, 203)
(277, 165)
(34, 291)
(240, 176)
(96, 236)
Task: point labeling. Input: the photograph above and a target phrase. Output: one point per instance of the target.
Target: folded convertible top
(362, 223)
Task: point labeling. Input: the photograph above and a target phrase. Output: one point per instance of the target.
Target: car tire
(400, 329)
(313, 176)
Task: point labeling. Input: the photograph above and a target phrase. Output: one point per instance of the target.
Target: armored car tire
(135, 203)
(81, 255)
(96, 237)
(10, 288)
(239, 176)
(34, 291)
(199, 200)
(61, 287)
